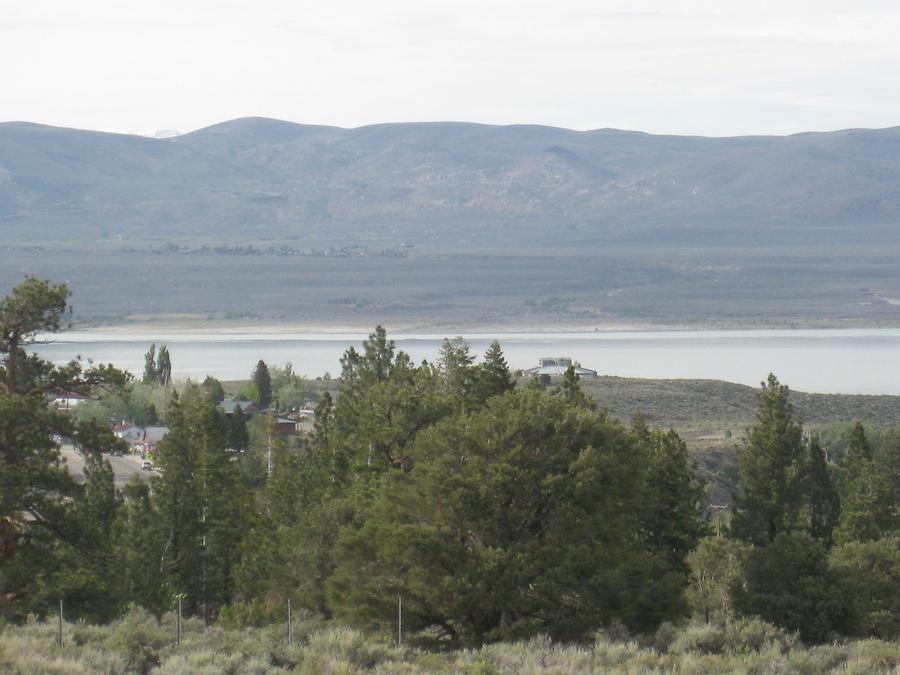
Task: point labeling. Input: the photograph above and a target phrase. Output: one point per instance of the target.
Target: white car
(147, 465)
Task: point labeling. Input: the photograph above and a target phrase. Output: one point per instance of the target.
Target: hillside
(448, 184)
(447, 226)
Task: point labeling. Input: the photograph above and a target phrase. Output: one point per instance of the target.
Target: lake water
(832, 361)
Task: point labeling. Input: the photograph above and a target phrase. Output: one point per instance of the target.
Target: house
(140, 439)
(284, 426)
(66, 400)
(556, 366)
(247, 407)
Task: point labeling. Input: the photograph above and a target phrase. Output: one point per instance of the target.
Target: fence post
(399, 620)
(59, 635)
(290, 624)
(178, 623)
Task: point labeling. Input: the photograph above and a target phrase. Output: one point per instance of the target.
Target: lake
(865, 361)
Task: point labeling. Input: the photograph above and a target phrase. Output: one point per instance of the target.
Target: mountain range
(449, 185)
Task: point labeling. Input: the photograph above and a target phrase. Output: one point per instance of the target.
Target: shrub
(700, 639)
(139, 637)
(755, 635)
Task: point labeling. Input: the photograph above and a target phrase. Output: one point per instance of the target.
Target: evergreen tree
(141, 539)
(820, 494)
(459, 376)
(237, 437)
(715, 566)
(480, 538)
(858, 447)
(46, 520)
(200, 503)
(570, 389)
(869, 510)
(673, 523)
(871, 571)
(263, 382)
(789, 584)
(385, 401)
(771, 470)
(215, 392)
(493, 376)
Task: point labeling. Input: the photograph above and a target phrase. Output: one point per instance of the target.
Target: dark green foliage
(263, 382)
(494, 378)
(157, 366)
(570, 389)
(215, 392)
(163, 367)
(789, 583)
(199, 503)
(871, 572)
(150, 366)
(869, 509)
(54, 533)
(516, 519)
(820, 494)
(858, 447)
(672, 522)
(771, 470)
(237, 436)
(152, 418)
(786, 484)
(384, 402)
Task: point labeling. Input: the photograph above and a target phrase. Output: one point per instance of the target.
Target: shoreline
(188, 327)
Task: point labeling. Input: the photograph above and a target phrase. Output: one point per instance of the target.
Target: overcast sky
(717, 67)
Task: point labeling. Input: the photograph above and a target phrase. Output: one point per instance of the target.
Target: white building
(556, 366)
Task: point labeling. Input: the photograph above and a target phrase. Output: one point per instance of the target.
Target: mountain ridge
(446, 183)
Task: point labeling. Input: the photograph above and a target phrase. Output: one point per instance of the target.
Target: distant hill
(449, 184)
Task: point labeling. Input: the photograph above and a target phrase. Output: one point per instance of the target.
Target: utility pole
(271, 424)
(59, 636)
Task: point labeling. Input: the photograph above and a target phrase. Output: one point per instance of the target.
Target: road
(124, 468)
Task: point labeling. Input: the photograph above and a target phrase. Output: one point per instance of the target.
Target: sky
(718, 68)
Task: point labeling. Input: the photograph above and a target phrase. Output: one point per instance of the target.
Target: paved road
(124, 468)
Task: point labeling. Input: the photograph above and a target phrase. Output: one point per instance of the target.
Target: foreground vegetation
(494, 513)
(139, 643)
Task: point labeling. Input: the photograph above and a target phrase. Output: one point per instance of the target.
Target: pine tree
(673, 523)
(40, 504)
(494, 378)
(820, 495)
(214, 389)
(570, 390)
(771, 470)
(237, 437)
(200, 504)
(459, 376)
(858, 448)
(263, 382)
